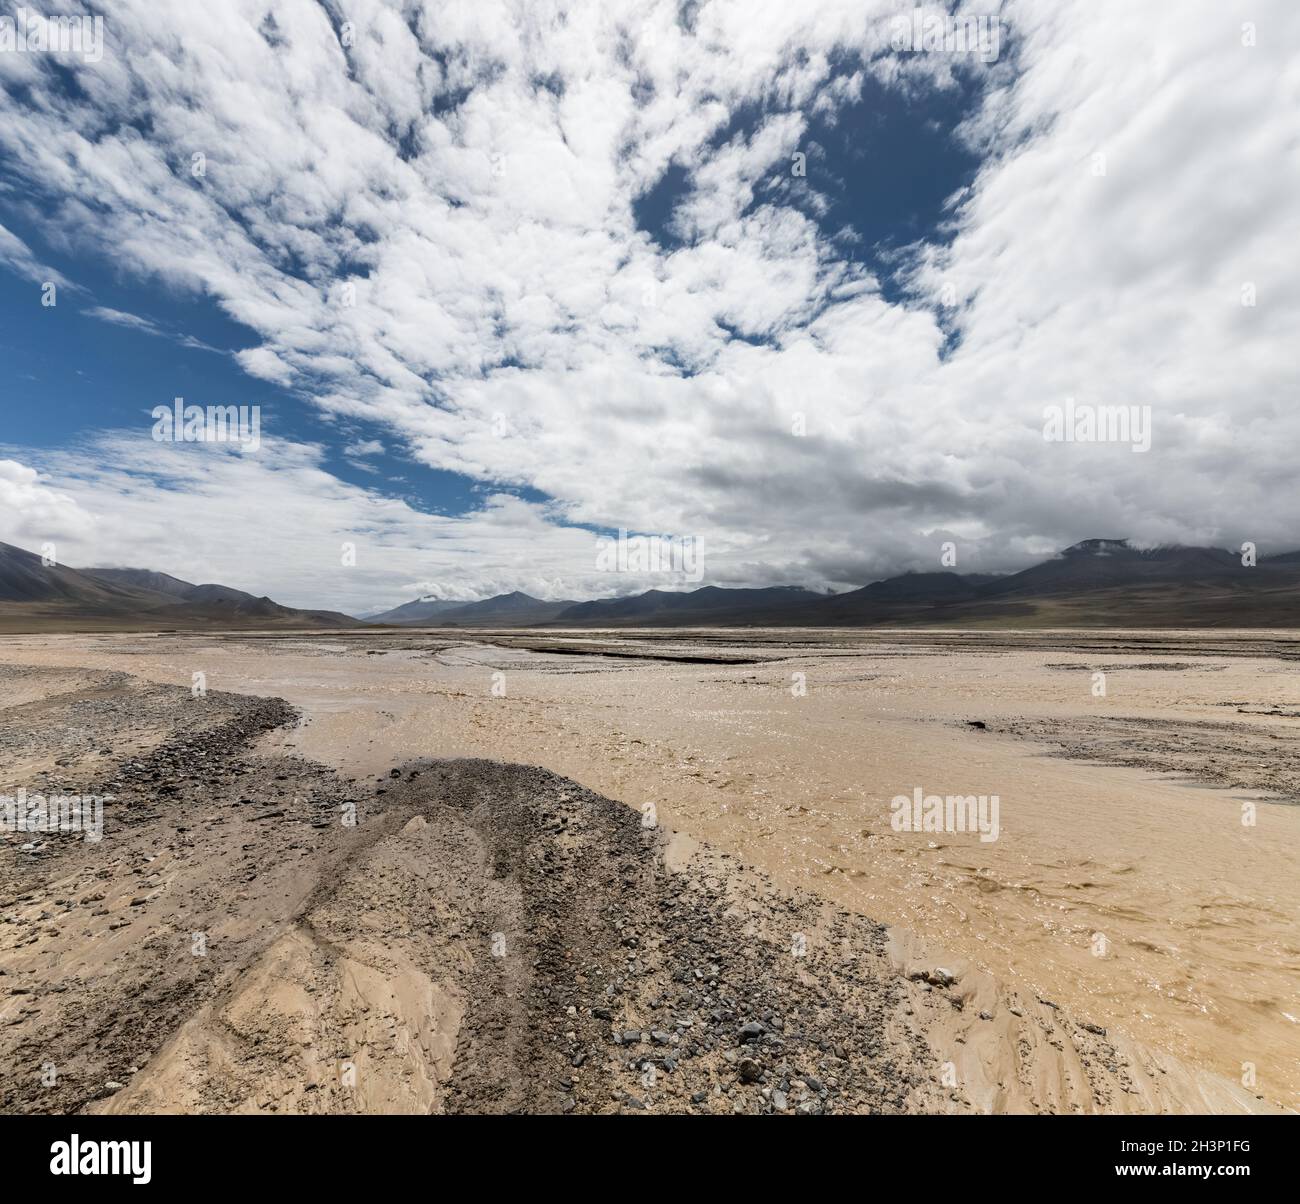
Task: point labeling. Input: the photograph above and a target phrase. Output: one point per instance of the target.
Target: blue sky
(501, 286)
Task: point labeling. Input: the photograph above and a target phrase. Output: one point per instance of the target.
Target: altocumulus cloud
(427, 214)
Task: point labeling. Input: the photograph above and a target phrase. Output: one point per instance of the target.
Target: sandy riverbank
(1198, 912)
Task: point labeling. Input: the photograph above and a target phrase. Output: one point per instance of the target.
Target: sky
(505, 278)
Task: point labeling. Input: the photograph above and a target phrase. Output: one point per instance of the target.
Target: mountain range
(1096, 583)
(35, 596)
(653, 605)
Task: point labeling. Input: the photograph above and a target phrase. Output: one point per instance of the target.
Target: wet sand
(1201, 951)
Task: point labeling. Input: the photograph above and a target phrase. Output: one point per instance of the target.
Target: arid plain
(1144, 885)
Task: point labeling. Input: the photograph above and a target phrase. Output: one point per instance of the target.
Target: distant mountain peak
(517, 607)
(1098, 547)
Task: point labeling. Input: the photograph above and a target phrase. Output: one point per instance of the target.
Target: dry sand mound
(520, 945)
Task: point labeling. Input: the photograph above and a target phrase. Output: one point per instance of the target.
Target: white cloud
(501, 285)
(34, 512)
(274, 522)
(118, 317)
(363, 448)
(17, 256)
